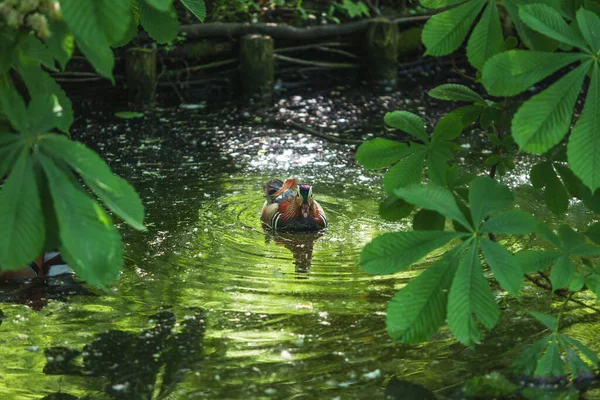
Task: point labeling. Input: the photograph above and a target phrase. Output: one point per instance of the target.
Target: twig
(324, 136)
(374, 9)
(315, 63)
(311, 46)
(543, 286)
(337, 51)
(203, 66)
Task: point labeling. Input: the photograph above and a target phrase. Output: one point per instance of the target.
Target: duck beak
(305, 210)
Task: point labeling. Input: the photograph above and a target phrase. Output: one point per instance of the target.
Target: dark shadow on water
(35, 293)
(128, 365)
(300, 244)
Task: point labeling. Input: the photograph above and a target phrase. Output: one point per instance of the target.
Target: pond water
(211, 306)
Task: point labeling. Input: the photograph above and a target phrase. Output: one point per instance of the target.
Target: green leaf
(436, 198)
(586, 351)
(546, 20)
(161, 26)
(439, 3)
(160, 5)
(551, 363)
(514, 71)
(486, 196)
(8, 43)
(470, 296)
(548, 320)
(20, 216)
(574, 242)
(593, 232)
(544, 119)
(394, 209)
(555, 195)
(42, 112)
(394, 252)
(444, 32)
(486, 39)
(61, 43)
(589, 25)
(511, 222)
(571, 182)
(32, 47)
(535, 260)
(540, 174)
(115, 192)
(456, 92)
(561, 272)
(128, 114)
(530, 357)
(427, 220)
(98, 23)
(501, 262)
(38, 82)
(531, 38)
(437, 166)
(407, 122)
(132, 29)
(101, 57)
(584, 144)
(97, 259)
(577, 282)
(591, 201)
(12, 104)
(448, 128)
(407, 171)
(11, 146)
(416, 312)
(196, 7)
(380, 153)
(467, 114)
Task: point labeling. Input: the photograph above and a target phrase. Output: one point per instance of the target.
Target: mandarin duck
(291, 207)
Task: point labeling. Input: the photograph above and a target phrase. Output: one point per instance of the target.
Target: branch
(279, 31)
(315, 63)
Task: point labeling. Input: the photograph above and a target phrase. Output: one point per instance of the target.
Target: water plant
(42, 203)
(557, 36)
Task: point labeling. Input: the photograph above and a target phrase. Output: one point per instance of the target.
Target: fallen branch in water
(320, 135)
(279, 31)
(320, 64)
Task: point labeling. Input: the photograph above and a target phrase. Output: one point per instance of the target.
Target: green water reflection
(283, 316)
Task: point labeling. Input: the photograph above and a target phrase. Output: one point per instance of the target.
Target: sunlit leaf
(196, 7)
(115, 192)
(20, 216)
(501, 262)
(97, 259)
(380, 153)
(407, 122)
(486, 39)
(512, 222)
(514, 71)
(434, 197)
(548, 320)
(532, 39)
(456, 92)
(444, 32)
(470, 297)
(396, 251)
(584, 143)
(407, 171)
(546, 20)
(543, 121)
(128, 114)
(551, 363)
(589, 26)
(486, 197)
(416, 312)
(561, 272)
(162, 26)
(535, 260)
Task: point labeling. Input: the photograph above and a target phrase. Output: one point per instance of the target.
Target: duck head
(304, 199)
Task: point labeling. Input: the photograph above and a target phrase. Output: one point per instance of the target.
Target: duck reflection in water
(293, 218)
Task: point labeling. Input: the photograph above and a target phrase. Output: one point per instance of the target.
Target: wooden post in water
(257, 66)
(382, 53)
(140, 65)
